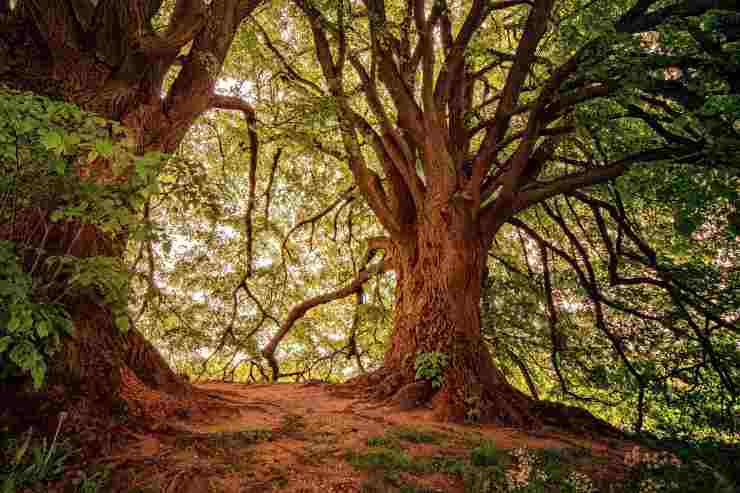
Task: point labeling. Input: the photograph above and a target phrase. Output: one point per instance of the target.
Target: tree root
(499, 403)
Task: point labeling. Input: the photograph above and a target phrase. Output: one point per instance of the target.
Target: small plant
(417, 436)
(29, 464)
(91, 482)
(455, 466)
(30, 332)
(430, 366)
(487, 454)
(578, 482)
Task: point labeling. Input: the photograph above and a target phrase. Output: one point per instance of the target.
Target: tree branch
(301, 309)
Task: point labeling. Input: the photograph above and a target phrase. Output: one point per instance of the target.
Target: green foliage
(30, 332)
(62, 168)
(384, 441)
(29, 463)
(488, 469)
(487, 454)
(430, 366)
(689, 468)
(417, 436)
(392, 459)
(394, 437)
(92, 482)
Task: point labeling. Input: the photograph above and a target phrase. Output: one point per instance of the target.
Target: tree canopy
(554, 180)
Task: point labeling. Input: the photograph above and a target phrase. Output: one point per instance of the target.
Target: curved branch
(301, 309)
(343, 197)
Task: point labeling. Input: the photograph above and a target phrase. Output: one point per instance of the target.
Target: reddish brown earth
(235, 438)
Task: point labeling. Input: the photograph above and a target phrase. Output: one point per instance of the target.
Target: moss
(390, 459)
(237, 439)
(487, 454)
(418, 436)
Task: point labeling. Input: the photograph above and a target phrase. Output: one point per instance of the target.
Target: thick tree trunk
(438, 310)
(91, 361)
(40, 51)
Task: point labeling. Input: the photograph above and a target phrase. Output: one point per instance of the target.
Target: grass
(389, 459)
(417, 436)
(233, 439)
(383, 441)
(30, 463)
(396, 435)
(487, 454)
(486, 468)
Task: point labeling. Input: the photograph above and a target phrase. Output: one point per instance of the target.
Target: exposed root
(496, 402)
(575, 419)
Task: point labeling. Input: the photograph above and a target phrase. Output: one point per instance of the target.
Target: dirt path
(303, 438)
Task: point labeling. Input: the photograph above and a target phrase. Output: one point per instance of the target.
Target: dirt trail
(296, 438)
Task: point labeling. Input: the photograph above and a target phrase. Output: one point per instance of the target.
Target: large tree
(457, 118)
(150, 65)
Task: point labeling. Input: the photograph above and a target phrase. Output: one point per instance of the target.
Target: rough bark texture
(438, 275)
(438, 288)
(90, 362)
(107, 58)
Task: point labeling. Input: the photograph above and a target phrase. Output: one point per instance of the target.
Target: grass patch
(417, 436)
(384, 441)
(394, 437)
(487, 454)
(229, 440)
(29, 463)
(389, 459)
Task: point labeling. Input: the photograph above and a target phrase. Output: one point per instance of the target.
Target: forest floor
(237, 438)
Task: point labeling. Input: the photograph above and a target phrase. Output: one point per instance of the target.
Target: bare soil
(237, 438)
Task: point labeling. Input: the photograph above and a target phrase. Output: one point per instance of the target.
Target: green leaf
(104, 148)
(122, 323)
(42, 329)
(5, 343)
(250, 39)
(53, 141)
(38, 373)
(58, 167)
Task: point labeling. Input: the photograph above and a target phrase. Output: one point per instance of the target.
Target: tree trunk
(438, 290)
(41, 51)
(92, 359)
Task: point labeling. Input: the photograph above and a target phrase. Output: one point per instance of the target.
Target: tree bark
(96, 55)
(90, 363)
(438, 289)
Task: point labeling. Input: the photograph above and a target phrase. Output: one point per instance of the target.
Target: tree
(456, 120)
(123, 61)
(471, 128)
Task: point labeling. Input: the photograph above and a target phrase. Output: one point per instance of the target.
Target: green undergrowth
(394, 437)
(486, 468)
(222, 440)
(30, 463)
